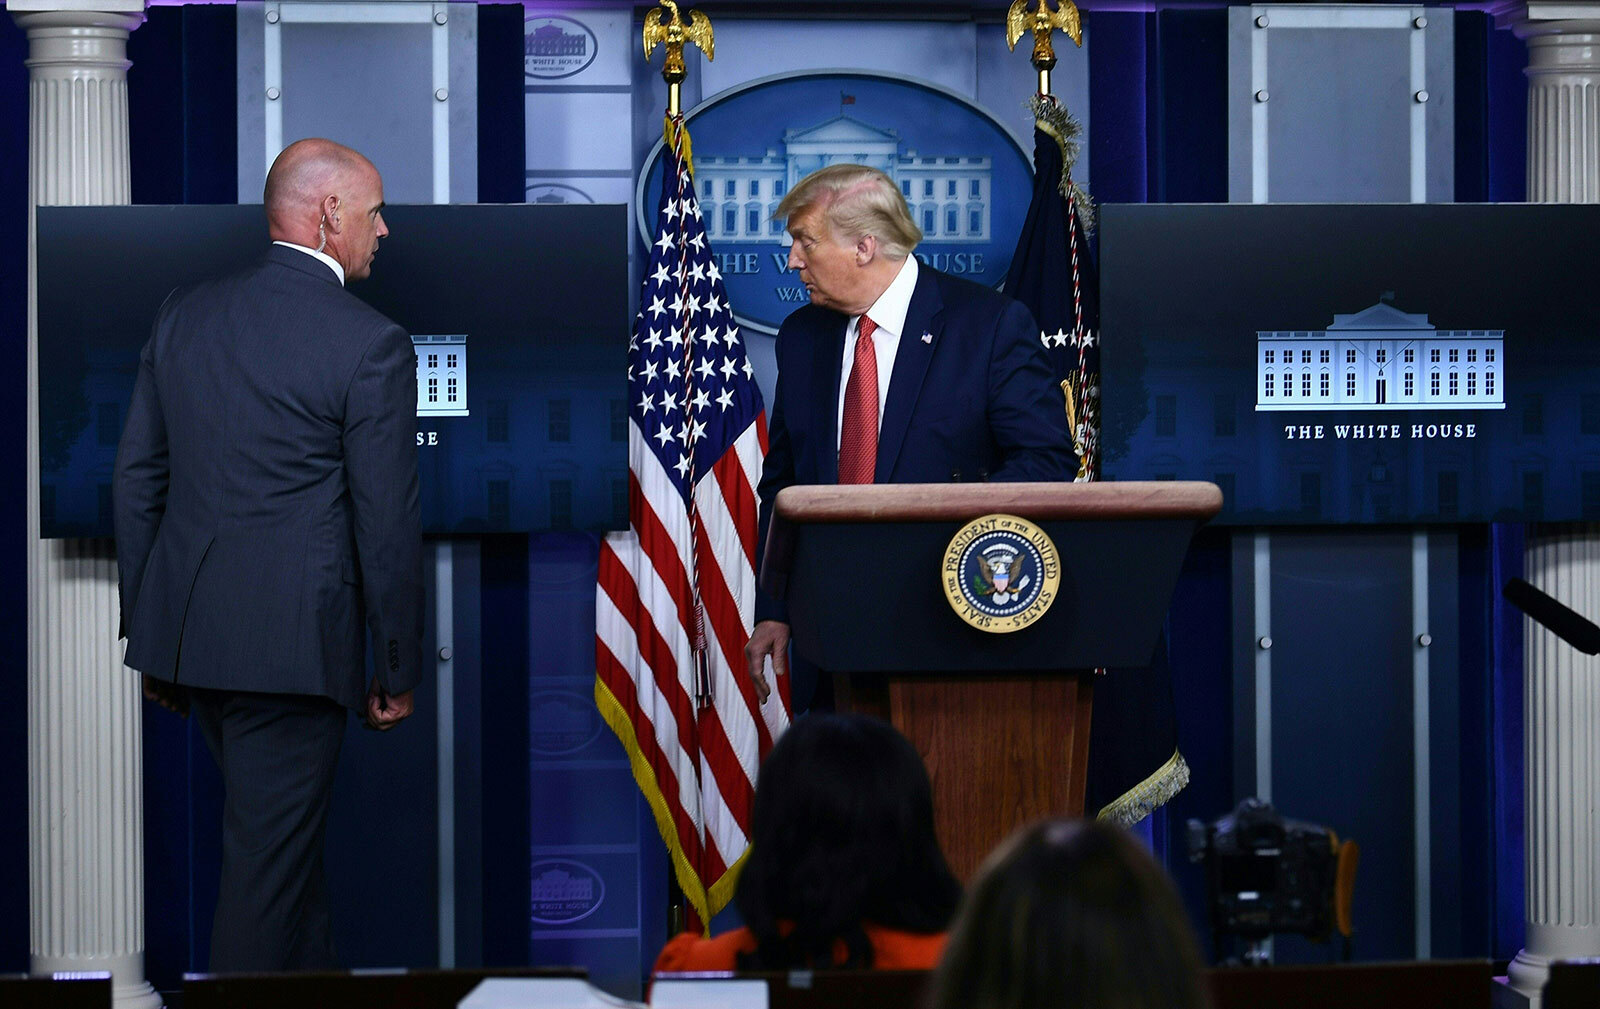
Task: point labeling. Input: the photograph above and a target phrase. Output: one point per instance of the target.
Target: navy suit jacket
(976, 400)
(265, 496)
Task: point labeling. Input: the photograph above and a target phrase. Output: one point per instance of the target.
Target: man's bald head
(325, 196)
(302, 177)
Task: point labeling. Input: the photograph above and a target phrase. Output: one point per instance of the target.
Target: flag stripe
(648, 658)
(733, 695)
(620, 636)
(738, 493)
(732, 627)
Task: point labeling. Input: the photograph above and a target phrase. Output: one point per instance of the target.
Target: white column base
(1529, 972)
(129, 989)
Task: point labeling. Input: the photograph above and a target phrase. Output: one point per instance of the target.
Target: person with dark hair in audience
(844, 868)
(1070, 914)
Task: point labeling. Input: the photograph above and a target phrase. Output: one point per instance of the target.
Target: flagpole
(673, 31)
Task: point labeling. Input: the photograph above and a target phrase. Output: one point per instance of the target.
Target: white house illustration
(441, 375)
(553, 40)
(559, 886)
(1380, 359)
(949, 196)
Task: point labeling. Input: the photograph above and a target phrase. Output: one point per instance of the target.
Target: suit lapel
(828, 367)
(924, 317)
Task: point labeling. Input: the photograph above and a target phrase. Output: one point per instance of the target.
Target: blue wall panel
(1472, 33)
(501, 129)
(1449, 899)
(1491, 112)
(13, 516)
(182, 106)
(1189, 136)
(1118, 139)
(1199, 631)
(467, 572)
(1342, 715)
(504, 640)
(383, 843)
(597, 867)
(1506, 142)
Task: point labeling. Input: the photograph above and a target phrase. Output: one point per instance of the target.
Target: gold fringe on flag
(706, 903)
(1148, 795)
(1053, 118)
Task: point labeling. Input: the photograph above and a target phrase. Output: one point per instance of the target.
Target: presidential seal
(1000, 573)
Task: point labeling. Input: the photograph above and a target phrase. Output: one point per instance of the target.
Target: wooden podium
(1001, 719)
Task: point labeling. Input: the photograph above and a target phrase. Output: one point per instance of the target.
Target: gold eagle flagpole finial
(674, 31)
(1042, 21)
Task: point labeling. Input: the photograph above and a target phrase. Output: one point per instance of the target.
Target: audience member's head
(1070, 915)
(841, 834)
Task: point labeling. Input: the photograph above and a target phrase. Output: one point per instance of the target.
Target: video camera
(1267, 874)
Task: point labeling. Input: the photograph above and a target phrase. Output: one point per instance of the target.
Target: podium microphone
(1548, 612)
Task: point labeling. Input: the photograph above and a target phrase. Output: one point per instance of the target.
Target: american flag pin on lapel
(927, 337)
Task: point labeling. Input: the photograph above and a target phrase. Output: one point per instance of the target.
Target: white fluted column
(1563, 108)
(1561, 688)
(85, 798)
(1561, 698)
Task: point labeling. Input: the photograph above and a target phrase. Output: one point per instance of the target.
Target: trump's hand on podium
(770, 639)
(385, 710)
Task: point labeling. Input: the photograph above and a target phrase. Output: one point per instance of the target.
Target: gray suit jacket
(265, 496)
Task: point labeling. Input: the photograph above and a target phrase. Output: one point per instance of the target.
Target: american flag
(676, 592)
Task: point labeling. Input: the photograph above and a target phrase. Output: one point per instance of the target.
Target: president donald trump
(896, 372)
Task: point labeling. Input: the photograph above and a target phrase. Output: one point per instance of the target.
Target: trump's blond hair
(856, 201)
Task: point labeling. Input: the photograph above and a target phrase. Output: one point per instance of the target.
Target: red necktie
(858, 436)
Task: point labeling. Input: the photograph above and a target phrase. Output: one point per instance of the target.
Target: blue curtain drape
(1506, 544)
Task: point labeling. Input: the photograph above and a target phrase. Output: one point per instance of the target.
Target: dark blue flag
(1134, 762)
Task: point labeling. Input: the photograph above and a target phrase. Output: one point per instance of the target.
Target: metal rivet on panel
(1420, 22)
(442, 94)
(1261, 95)
(1262, 22)
(1424, 639)
(439, 17)
(1265, 642)
(1421, 96)
(273, 94)
(272, 16)
(445, 653)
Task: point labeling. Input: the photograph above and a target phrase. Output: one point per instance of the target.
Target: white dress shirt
(889, 312)
(329, 261)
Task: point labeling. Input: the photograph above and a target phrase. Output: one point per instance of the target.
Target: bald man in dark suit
(266, 507)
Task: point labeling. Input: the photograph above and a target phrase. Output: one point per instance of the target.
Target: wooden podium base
(1001, 750)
